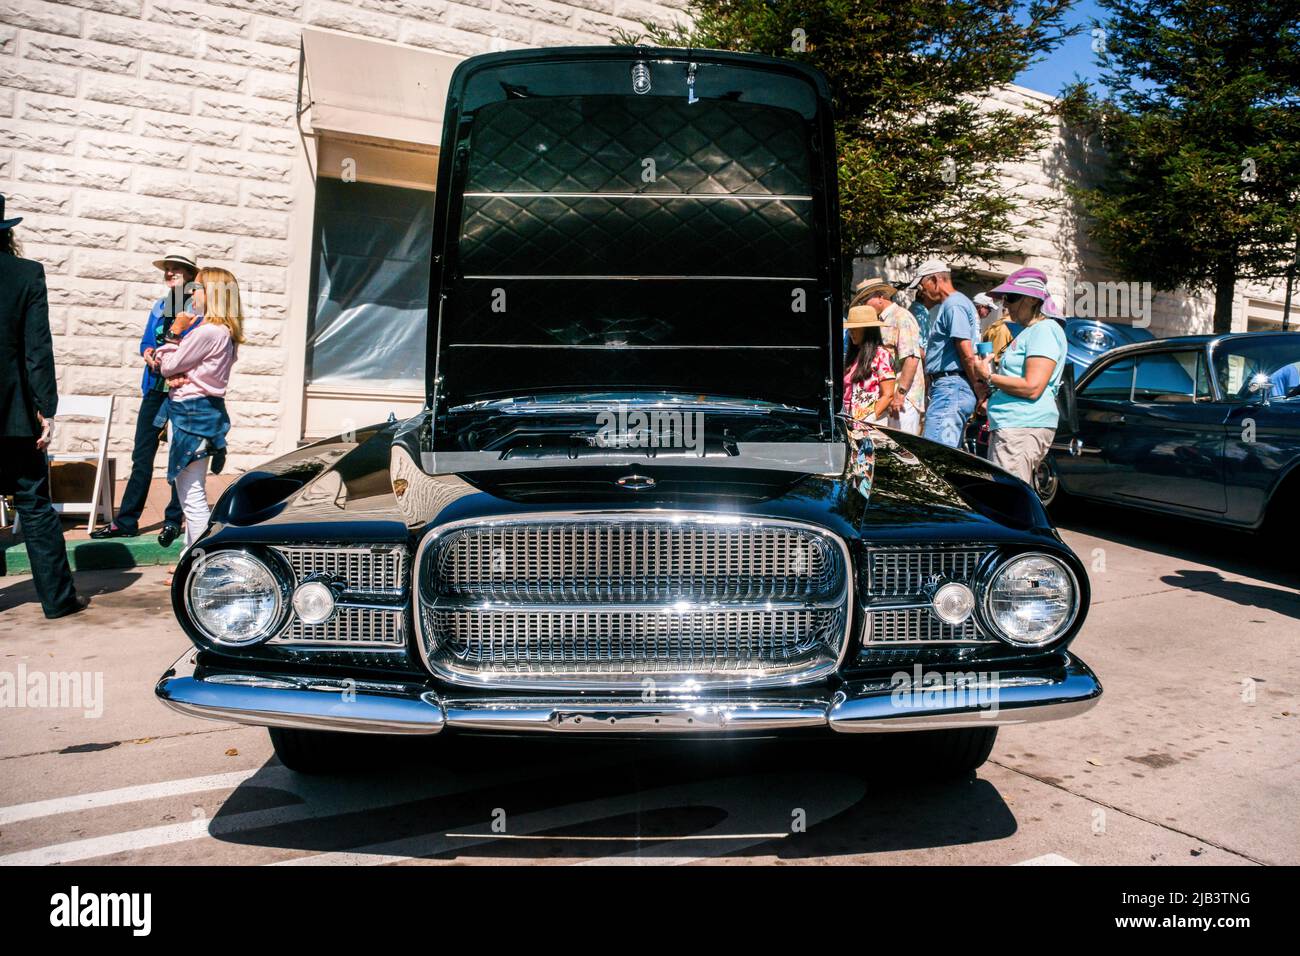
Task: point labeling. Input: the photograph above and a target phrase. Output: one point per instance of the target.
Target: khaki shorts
(1019, 450)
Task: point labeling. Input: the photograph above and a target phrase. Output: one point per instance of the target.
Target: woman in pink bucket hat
(1031, 282)
(1022, 404)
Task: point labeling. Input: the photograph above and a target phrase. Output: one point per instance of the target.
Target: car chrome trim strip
(634, 715)
(747, 197)
(626, 347)
(273, 700)
(821, 458)
(299, 703)
(614, 606)
(880, 707)
(647, 278)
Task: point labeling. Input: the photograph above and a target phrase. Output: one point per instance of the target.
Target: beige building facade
(295, 142)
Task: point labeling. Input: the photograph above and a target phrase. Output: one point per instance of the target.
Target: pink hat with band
(1030, 282)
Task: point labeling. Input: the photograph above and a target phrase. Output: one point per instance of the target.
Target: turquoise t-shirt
(1046, 339)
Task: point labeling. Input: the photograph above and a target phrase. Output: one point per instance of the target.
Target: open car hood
(595, 235)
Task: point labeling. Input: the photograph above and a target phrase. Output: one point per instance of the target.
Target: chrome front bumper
(1064, 689)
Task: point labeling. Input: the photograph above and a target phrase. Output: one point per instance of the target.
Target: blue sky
(1073, 57)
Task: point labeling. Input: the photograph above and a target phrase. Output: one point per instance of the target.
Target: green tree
(1199, 118)
(918, 154)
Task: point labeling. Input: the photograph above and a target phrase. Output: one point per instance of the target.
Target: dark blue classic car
(1200, 426)
(1086, 341)
(632, 504)
(1089, 339)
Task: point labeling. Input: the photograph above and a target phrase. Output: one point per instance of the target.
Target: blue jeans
(948, 403)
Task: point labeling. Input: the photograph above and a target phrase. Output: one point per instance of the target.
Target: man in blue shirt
(178, 272)
(953, 385)
(1284, 380)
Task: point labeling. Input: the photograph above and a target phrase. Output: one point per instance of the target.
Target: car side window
(1170, 378)
(1204, 390)
(1234, 372)
(1113, 383)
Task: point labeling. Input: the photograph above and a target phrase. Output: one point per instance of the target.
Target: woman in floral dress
(868, 368)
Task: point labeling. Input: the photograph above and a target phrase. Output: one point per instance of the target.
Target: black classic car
(1196, 426)
(632, 504)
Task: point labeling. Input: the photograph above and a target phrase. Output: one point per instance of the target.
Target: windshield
(1237, 362)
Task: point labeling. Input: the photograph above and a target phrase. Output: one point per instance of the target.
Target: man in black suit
(29, 398)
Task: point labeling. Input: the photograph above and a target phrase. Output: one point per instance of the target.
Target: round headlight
(1032, 600)
(953, 603)
(234, 598)
(313, 602)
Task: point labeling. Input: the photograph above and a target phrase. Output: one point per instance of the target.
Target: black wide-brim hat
(7, 223)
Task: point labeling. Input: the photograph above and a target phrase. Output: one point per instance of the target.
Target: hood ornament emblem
(636, 482)
(640, 78)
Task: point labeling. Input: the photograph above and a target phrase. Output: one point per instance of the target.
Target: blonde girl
(200, 350)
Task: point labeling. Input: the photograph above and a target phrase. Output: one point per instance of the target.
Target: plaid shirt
(903, 335)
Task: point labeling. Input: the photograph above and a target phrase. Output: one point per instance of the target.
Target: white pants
(908, 420)
(194, 499)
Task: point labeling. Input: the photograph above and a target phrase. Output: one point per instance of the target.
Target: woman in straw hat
(869, 367)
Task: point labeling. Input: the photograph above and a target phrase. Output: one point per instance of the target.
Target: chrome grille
(564, 642)
(363, 569)
(905, 573)
(352, 626)
(602, 601)
(636, 560)
(369, 574)
(903, 576)
(918, 624)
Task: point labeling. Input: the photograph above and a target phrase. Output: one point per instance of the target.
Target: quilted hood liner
(595, 238)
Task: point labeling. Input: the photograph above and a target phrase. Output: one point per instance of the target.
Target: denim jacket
(198, 426)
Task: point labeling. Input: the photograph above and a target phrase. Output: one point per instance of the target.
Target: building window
(370, 284)
(1263, 315)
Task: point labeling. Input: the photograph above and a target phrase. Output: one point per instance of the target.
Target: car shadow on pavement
(1228, 549)
(1279, 600)
(569, 800)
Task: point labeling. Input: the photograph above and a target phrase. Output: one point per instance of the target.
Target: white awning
(375, 88)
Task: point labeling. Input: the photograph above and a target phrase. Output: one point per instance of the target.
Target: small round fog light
(952, 603)
(313, 602)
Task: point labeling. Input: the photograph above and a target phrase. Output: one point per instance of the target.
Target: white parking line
(1047, 859)
(147, 791)
(324, 798)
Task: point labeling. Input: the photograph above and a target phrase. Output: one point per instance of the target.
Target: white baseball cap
(927, 268)
(984, 299)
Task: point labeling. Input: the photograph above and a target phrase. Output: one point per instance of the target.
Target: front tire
(316, 751)
(948, 754)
